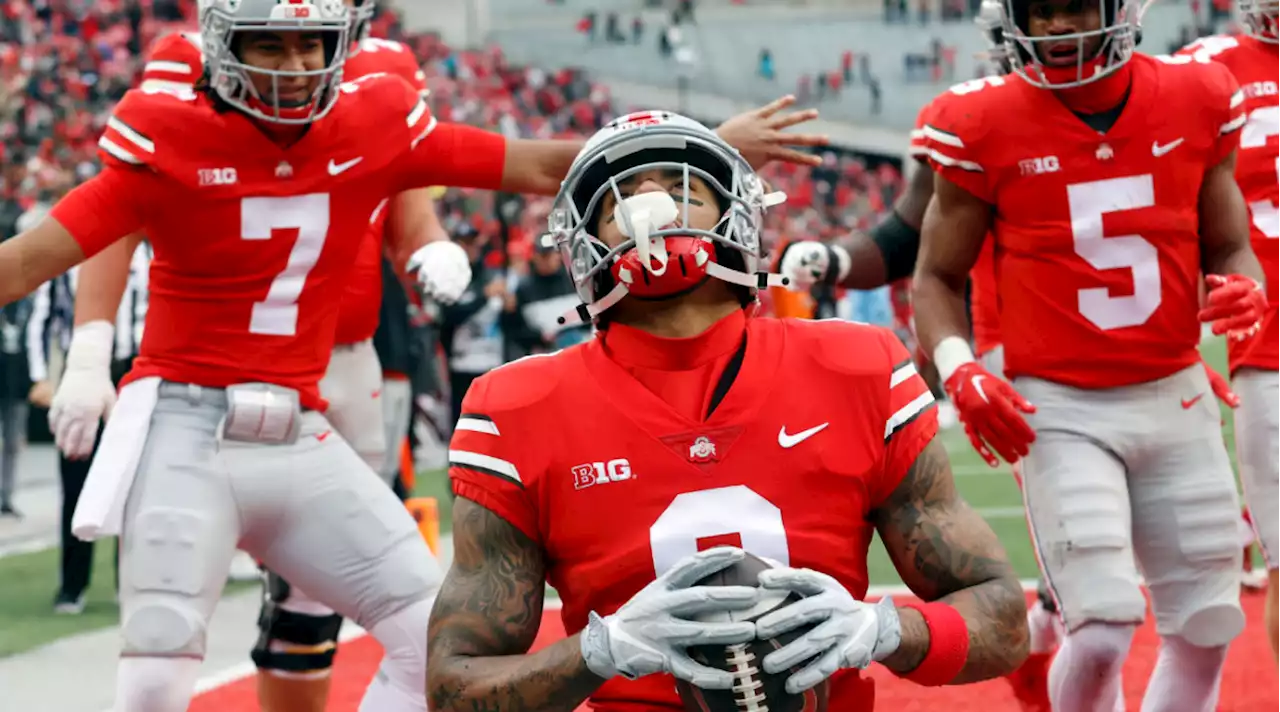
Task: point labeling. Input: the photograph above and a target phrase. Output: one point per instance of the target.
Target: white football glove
(651, 632)
(85, 394)
(443, 269)
(849, 634)
(807, 263)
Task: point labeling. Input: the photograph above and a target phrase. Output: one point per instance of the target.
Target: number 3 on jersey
(277, 314)
(1089, 202)
(720, 512)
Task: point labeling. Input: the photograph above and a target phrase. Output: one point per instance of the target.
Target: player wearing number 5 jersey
(687, 424)
(1251, 57)
(1106, 179)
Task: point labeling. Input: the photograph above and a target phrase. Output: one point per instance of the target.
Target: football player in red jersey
(697, 427)
(888, 254)
(1106, 179)
(298, 640)
(1251, 57)
(255, 191)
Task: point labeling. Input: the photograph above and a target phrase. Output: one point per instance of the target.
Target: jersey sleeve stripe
(1237, 99)
(487, 464)
(477, 424)
(902, 373)
(908, 413)
(167, 86)
(168, 67)
(431, 126)
(416, 115)
(126, 132)
(1233, 125)
(114, 149)
(950, 162)
(942, 137)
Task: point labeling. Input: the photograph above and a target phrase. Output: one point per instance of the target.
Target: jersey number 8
(723, 511)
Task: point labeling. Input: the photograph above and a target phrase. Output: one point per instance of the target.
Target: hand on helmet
(758, 136)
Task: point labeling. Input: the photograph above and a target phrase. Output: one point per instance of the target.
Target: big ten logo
(218, 176)
(292, 10)
(1036, 166)
(599, 473)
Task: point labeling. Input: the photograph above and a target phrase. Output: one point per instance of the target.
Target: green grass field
(27, 582)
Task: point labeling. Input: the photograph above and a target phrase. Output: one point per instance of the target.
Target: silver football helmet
(990, 22)
(663, 255)
(1258, 18)
(232, 79)
(362, 13)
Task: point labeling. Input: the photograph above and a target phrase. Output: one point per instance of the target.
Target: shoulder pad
(1209, 47)
(133, 137)
(383, 100)
(525, 381)
(174, 60)
(846, 347)
(386, 57)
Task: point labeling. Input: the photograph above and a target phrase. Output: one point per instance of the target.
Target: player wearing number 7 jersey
(1254, 361)
(1106, 179)
(688, 424)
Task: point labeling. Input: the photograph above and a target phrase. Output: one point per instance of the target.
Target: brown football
(753, 690)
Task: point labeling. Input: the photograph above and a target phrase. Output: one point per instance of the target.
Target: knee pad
(162, 626)
(296, 635)
(1214, 625)
(1106, 645)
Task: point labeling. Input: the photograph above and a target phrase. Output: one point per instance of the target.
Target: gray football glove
(651, 632)
(849, 634)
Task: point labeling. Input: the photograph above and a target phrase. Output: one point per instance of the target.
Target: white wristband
(92, 345)
(950, 354)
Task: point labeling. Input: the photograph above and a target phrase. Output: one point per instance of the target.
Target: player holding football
(256, 192)
(699, 426)
(1112, 176)
(1254, 361)
(295, 649)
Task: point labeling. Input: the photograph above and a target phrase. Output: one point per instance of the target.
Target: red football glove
(1235, 306)
(988, 407)
(1221, 388)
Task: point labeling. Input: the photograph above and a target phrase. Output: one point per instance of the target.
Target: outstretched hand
(758, 134)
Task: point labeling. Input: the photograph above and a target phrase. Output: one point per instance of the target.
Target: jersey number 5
(1089, 202)
(719, 512)
(277, 314)
(1263, 123)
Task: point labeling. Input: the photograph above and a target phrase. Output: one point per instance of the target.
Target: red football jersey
(616, 485)
(362, 301)
(175, 63)
(254, 241)
(984, 307)
(1255, 66)
(1096, 235)
(919, 147)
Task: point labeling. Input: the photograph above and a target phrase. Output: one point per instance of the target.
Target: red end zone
(1249, 683)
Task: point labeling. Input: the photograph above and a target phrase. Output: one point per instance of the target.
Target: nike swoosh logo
(1188, 402)
(1158, 150)
(789, 441)
(336, 168)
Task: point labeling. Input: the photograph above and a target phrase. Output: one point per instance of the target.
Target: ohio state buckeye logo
(702, 449)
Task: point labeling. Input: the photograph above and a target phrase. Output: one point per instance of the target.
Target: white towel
(100, 511)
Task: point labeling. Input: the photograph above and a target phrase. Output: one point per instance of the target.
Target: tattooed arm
(485, 618)
(945, 551)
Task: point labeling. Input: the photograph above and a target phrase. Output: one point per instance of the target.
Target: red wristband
(948, 645)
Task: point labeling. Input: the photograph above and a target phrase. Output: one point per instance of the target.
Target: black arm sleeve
(899, 243)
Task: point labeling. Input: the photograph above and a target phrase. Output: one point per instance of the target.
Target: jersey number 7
(277, 314)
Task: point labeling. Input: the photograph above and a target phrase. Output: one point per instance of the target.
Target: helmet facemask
(361, 22)
(225, 23)
(1258, 19)
(1117, 36)
(663, 255)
